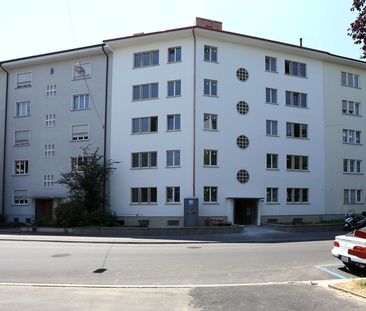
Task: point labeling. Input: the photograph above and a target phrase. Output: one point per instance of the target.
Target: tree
(85, 182)
(358, 28)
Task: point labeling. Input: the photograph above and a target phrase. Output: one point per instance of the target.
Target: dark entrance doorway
(245, 211)
(44, 208)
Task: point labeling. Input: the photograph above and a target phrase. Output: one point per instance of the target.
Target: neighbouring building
(55, 106)
(204, 123)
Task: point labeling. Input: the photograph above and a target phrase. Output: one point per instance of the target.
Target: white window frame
(81, 71)
(23, 108)
(151, 159)
(352, 137)
(151, 58)
(149, 125)
(271, 96)
(272, 195)
(210, 121)
(21, 167)
(80, 102)
(210, 54)
(350, 79)
(79, 136)
(210, 157)
(352, 166)
(270, 64)
(78, 163)
(291, 129)
(271, 127)
(174, 88)
(50, 120)
(150, 88)
(352, 196)
(175, 53)
(24, 80)
(351, 108)
(174, 155)
(20, 199)
(293, 192)
(302, 99)
(49, 150)
(25, 143)
(272, 161)
(297, 162)
(175, 121)
(210, 87)
(291, 65)
(172, 195)
(210, 190)
(148, 195)
(48, 181)
(51, 90)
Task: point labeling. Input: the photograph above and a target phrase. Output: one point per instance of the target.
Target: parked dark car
(355, 222)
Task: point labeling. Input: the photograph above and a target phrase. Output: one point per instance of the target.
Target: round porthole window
(242, 141)
(242, 176)
(242, 74)
(242, 107)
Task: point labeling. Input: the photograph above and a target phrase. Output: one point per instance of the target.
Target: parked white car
(351, 248)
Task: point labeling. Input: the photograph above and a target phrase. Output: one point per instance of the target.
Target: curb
(346, 291)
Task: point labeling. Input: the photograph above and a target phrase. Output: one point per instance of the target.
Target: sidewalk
(251, 234)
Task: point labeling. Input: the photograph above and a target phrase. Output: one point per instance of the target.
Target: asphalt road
(69, 276)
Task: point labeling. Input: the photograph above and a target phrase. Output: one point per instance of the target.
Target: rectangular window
(353, 196)
(80, 102)
(271, 96)
(210, 87)
(144, 195)
(174, 54)
(20, 197)
(351, 137)
(24, 79)
(272, 195)
(296, 130)
(48, 181)
(173, 158)
(210, 194)
(145, 91)
(51, 90)
(50, 120)
(172, 194)
(270, 64)
(297, 162)
(23, 109)
(173, 122)
(209, 157)
(351, 166)
(145, 59)
(297, 195)
(210, 53)
(174, 88)
(22, 138)
(296, 99)
(81, 71)
(350, 79)
(80, 132)
(271, 128)
(21, 167)
(78, 163)
(144, 125)
(272, 161)
(295, 69)
(210, 121)
(144, 159)
(351, 108)
(49, 150)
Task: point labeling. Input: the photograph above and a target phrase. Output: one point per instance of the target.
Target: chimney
(301, 42)
(208, 23)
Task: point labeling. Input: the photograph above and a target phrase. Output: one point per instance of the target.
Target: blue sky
(29, 27)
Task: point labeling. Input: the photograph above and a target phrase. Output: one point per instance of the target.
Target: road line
(160, 285)
(337, 275)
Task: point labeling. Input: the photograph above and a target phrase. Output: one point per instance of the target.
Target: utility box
(191, 218)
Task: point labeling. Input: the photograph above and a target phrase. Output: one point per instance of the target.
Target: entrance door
(44, 208)
(245, 211)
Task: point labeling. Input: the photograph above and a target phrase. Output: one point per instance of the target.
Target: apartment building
(246, 126)
(204, 123)
(55, 107)
(2, 128)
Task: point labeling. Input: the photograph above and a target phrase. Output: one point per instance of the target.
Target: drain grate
(100, 270)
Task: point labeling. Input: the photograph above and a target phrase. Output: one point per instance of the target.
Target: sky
(31, 27)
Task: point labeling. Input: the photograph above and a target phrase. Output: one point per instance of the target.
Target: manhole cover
(100, 270)
(60, 255)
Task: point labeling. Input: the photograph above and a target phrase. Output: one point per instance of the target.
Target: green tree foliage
(85, 182)
(358, 28)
